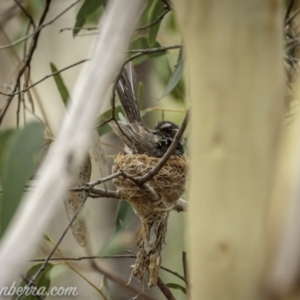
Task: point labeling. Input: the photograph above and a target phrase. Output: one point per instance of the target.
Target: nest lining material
(169, 184)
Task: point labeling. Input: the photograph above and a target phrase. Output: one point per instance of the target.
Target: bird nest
(152, 202)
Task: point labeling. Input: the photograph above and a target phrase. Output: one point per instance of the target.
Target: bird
(154, 200)
(137, 137)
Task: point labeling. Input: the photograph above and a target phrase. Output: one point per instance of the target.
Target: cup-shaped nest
(152, 202)
(169, 183)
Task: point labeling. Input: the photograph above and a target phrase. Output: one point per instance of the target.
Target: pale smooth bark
(235, 70)
(73, 140)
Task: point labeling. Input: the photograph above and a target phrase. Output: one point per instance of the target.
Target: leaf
(171, 23)
(107, 287)
(175, 77)
(86, 10)
(5, 137)
(176, 287)
(140, 94)
(116, 245)
(42, 282)
(156, 9)
(19, 166)
(99, 155)
(60, 85)
(141, 43)
(145, 15)
(125, 214)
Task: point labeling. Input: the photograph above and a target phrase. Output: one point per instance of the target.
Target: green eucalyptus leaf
(175, 77)
(5, 137)
(143, 21)
(60, 85)
(116, 245)
(176, 286)
(86, 10)
(140, 94)
(125, 214)
(23, 155)
(156, 9)
(42, 282)
(141, 43)
(171, 22)
(107, 287)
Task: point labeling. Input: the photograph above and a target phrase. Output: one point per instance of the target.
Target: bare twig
(42, 268)
(174, 273)
(40, 27)
(37, 98)
(26, 13)
(164, 289)
(96, 182)
(121, 256)
(26, 280)
(46, 77)
(105, 193)
(9, 13)
(185, 267)
(84, 257)
(140, 52)
(119, 281)
(159, 18)
(27, 61)
(288, 11)
(292, 17)
(81, 28)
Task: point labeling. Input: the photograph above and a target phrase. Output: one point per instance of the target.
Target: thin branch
(167, 4)
(26, 280)
(46, 77)
(105, 122)
(151, 50)
(164, 289)
(37, 98)
(289, 9)
(292, 17)
(39, 28)
(42, 268)
(185, 269)
(84, 257)
(155, 108)
(27, 60)
(26, 13)
(107, 178)
(119, 281)
(103, 257)
(174, 273)
(81, 28)
(9, 13)
(159, 18)
(105, 193)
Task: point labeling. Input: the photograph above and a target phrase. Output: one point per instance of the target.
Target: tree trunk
(235, 71)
